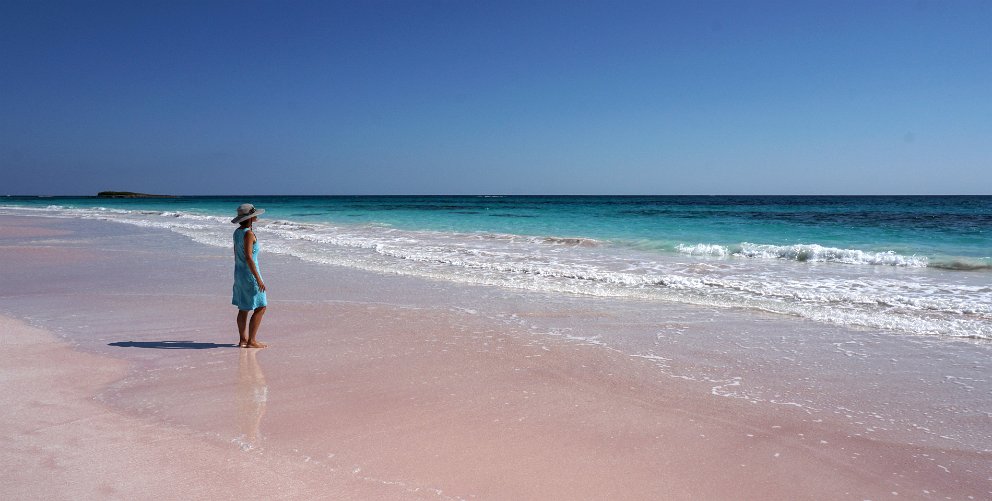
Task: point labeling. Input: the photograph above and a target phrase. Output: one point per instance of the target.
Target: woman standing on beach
(249, 289)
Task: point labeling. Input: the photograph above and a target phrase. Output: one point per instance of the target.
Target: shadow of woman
(170, 345)
(252, 395)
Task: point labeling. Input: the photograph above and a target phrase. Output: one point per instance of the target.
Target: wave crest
(819, 253)
(812, 253)
(703, 250)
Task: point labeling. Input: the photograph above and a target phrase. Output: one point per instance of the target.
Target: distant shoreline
(130, 194)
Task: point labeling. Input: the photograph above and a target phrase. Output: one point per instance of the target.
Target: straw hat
(247, 211)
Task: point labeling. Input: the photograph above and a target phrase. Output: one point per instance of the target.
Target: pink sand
(359, 400)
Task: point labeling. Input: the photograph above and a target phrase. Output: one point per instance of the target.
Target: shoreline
(851, 283)
(439, 403)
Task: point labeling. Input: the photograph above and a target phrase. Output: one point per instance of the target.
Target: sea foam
(762, 277)
(812, 253)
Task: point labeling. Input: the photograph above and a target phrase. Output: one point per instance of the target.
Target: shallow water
(911, 265)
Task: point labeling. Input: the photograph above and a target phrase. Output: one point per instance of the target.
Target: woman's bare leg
(242, 324)
(256, 320)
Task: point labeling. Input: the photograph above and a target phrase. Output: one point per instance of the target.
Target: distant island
(129, 194)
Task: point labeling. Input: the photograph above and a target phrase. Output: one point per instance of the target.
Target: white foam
(805, 253)
(819, 253)
(703, 250)
(922, 305)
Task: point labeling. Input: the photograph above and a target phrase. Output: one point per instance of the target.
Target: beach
(507, 250)
(124, 382)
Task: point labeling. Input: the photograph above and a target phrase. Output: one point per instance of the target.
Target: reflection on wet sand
(253, 392)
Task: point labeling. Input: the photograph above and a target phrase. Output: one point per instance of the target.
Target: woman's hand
(261, 285)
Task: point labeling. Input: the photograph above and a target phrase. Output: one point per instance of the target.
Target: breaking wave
(918, 303)
(812, 253)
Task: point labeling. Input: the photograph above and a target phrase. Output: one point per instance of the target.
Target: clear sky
(502, 97)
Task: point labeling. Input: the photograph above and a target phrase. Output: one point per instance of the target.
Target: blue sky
(420, 97)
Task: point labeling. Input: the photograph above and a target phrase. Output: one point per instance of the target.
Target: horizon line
(151, 195)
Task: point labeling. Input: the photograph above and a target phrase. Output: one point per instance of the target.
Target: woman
(249, 289)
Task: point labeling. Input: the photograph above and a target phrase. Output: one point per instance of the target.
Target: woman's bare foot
(243, 344)
(255, 344)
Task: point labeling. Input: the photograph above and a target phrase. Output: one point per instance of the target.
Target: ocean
(912, 265)
(874, 311)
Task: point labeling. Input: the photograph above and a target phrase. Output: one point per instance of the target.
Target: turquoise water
(952, 231)
(917, 265)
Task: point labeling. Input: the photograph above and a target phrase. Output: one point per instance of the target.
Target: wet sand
(137, 391)
(60, 443)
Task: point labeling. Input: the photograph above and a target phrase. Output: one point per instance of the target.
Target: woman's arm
(249, 241)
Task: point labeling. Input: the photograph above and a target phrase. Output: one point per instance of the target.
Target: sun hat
(247, 211)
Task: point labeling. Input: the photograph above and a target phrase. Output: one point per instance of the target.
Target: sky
(503, 97)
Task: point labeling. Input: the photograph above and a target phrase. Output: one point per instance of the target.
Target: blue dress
(246, 293)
